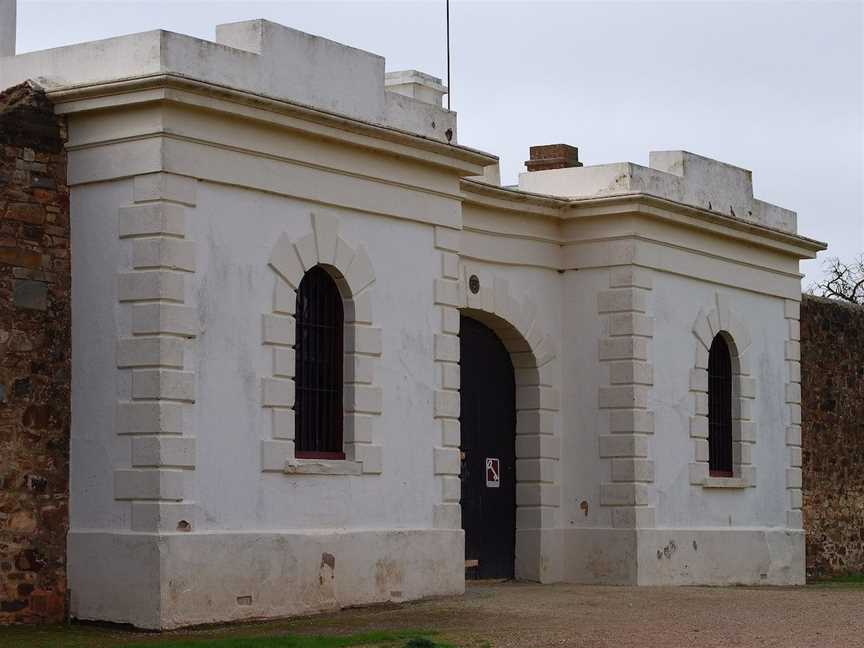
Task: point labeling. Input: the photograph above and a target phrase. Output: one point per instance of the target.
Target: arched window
(318, 374)
(720, 409)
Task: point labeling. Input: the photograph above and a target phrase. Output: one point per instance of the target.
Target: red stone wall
(832, 385)
(34, 359)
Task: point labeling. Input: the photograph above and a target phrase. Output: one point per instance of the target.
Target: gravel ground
(524, 615)
(528, 615)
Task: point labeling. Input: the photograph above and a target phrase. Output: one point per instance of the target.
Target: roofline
(90, 91)
(558, 207)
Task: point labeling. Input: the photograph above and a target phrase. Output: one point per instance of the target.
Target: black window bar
(318, 375)
(720, 409)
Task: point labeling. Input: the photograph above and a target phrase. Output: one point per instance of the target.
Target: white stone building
(209, 178)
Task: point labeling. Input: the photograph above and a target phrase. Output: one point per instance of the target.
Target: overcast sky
(774, 87)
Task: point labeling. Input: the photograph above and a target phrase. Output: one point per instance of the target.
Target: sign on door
(493, 472)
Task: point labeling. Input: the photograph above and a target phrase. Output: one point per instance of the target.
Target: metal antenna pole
(449, 90)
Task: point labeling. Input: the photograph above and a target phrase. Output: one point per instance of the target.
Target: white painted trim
(352, 271)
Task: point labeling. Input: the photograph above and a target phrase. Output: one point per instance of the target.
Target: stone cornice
(630, 204)
(183, 90)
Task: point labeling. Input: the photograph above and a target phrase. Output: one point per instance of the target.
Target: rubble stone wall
(832, 381)
(34, 358)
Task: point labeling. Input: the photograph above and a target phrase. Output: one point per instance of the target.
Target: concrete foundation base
(172, 580)
(704, 556)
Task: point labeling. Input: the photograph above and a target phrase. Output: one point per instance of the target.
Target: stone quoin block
(446, 404)
(363, 398)
(447, 348)
(363, 339)
(622, 299)
(451, 375)
(446, 292)
(699, 380)
(357, 428)
(450, 321)
(358, 368)
(620, 445)
(632, 470)
(624, 397)
(536, 517)
(630, 277)
(146, 285)
(537, 494)
(451, 489)
(284, 362)
(166, 384)
(149, 418)
(151, 451)
(624, 494)
(163, 252)
(624, 348)
(631, 372)
(446, 461)
(450, 265)
(358, 309)
(167, 319)
(150, 352)
(279, 329)
(164, 186)
(528, 447)
(275, 455)
(529, 398)
(448, 239)
(792, 309)
(535, 422)
(371, 456)
(283, 423)
(155, 219)
(277, 392)
(537, 470)
(631, 421)
(699, 427)
(451, 433)
(635, 324)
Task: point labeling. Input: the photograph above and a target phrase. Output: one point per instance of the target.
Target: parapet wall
(832, 403)
(34, 359)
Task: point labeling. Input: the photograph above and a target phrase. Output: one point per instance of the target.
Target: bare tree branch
(843, 281)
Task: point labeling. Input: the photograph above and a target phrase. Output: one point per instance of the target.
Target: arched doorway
(488, 423)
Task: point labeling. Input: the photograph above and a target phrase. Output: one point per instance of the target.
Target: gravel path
(528, 615)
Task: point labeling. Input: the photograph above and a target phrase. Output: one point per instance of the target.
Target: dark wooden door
(488, 395)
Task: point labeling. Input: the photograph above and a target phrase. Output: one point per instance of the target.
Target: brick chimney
(553, 156)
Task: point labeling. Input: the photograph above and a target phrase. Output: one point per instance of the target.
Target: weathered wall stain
(832, 381)
(34, 358)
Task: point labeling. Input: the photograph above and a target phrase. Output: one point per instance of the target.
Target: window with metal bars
(720, 409)
(318, 370)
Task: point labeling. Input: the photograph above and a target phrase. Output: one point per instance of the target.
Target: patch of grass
(73, 636)
(394, 639)
(850, 581)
